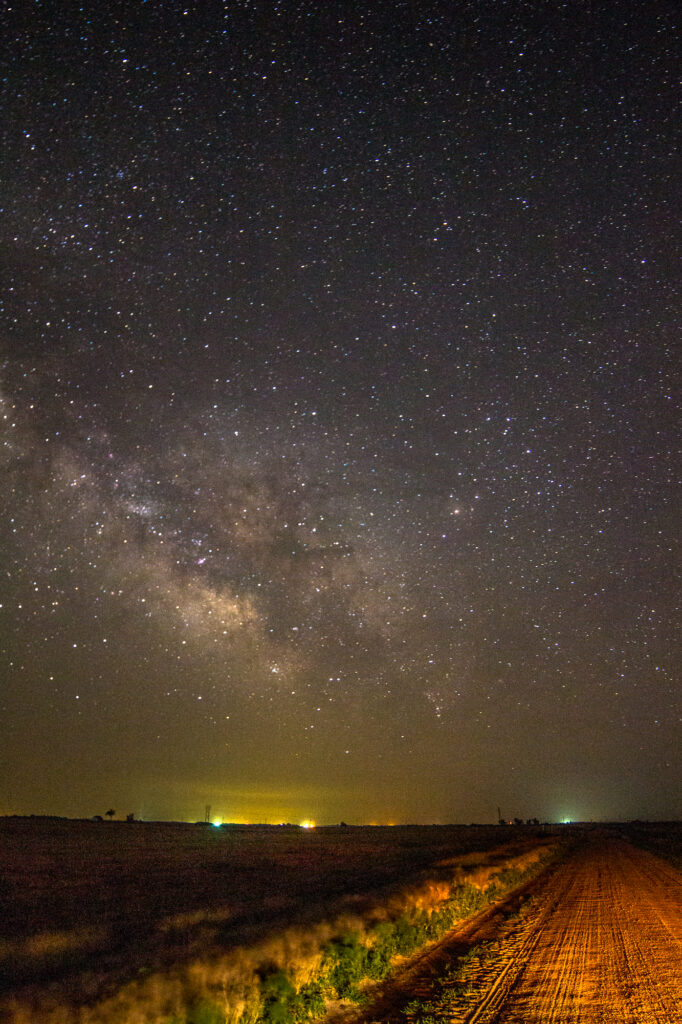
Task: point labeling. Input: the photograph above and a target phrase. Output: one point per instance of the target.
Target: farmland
(161, 916)
(162, 923)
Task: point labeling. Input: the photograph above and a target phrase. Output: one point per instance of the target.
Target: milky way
(338, 388)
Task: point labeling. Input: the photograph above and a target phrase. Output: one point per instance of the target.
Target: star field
(339, 411)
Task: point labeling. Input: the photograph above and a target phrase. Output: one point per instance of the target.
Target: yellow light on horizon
(307, 824)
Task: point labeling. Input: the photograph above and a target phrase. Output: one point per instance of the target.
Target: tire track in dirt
(595, 940)
(558, 975)
(610, 951)
(508, 973)
(516, 955)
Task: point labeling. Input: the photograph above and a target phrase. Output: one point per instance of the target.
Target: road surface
(607, 946)
(598, 940)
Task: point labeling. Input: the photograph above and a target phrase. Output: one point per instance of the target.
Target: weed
(419, 1012)
(205, 1013)
(277, 994)
(345, 961)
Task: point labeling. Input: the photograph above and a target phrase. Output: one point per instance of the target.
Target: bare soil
(596, 940)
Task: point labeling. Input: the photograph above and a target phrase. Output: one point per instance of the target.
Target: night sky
(339, 410)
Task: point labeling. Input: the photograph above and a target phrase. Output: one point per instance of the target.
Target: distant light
(217, 822)
(307, 824)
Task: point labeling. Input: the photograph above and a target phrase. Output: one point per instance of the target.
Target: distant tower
(207, 813)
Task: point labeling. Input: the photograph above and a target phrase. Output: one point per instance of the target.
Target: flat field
(88, 909)
(159, 923)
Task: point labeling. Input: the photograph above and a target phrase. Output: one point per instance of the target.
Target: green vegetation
(282, 1003)
(349, 961)
(453, 991)
(353, 959)
(206, 1013)
(459, 987)
(423, 1012)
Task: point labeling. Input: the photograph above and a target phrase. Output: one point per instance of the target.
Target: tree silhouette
(110, 813)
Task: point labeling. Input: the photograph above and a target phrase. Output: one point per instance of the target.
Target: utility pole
(207, 815)
(499, 815)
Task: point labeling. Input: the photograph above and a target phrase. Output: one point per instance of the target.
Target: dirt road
(607, 947)
(598, 941)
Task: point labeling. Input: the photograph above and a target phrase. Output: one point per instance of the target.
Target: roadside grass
(241, 925)
(461, 986)
(453, 991)
(353, 960)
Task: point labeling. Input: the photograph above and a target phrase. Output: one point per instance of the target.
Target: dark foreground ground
(60, 874)
(132, 897)
(70, 890)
